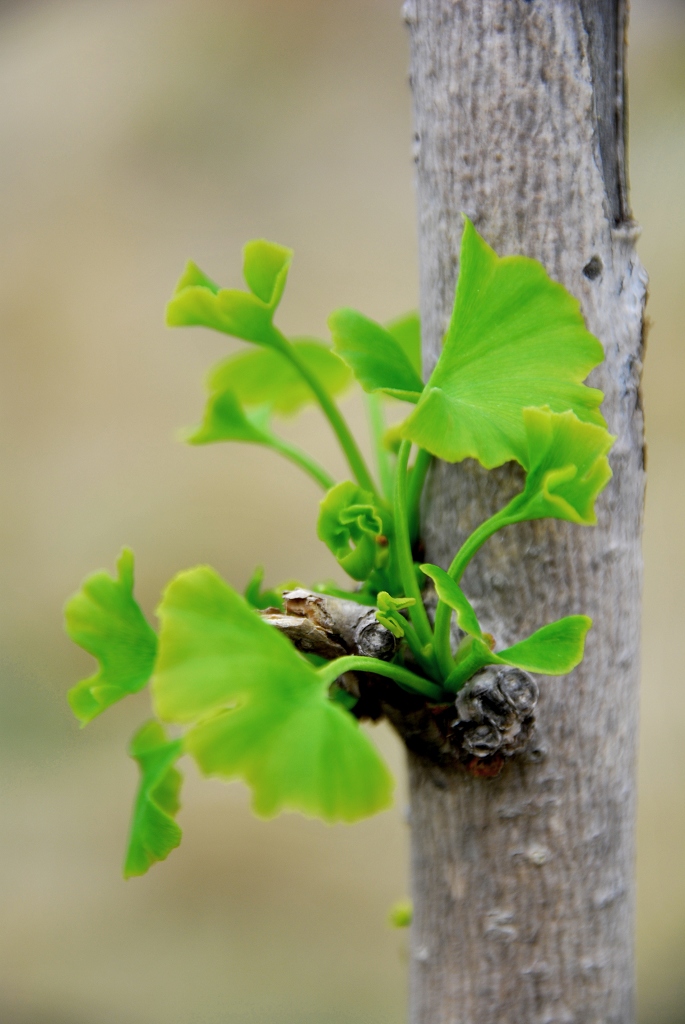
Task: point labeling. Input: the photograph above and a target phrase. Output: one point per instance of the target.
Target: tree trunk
(523, 884)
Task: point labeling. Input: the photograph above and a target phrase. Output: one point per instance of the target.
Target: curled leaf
(516, 339)
(351, 526)
(568, 467)
(265, 269)
(154, 833)
(105, 619)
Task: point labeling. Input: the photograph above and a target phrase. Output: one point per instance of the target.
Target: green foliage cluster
(236, 694)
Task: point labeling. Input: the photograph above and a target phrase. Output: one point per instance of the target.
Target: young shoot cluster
(243, 701)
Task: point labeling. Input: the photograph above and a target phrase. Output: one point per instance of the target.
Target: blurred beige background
(134, 134)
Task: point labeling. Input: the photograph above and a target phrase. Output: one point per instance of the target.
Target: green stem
(332, 414)
(405, 562)
(358, 663)
(374, 408)
(443, 612)
(428, 665)
(416, 482)
(304, 461)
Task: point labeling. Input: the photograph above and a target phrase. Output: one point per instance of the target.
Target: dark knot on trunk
(495, 712)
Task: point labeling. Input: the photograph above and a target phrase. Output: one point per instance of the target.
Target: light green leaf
(377, 360)
(516, 339)
(553, 650)
(154, 833)
(350, 525)
(258, 598)
(568, 467)
(265, 377)
(233, 312)
(226, 420)
(106, 621)
(451, 593)
(265, 268)
(406, 330)
(388, 613)
(193, 277)
(261, 710)
(197, 300)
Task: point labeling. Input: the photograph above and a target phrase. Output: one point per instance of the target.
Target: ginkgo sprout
(245, 700)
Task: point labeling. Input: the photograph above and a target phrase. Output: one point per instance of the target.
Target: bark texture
(523, 883)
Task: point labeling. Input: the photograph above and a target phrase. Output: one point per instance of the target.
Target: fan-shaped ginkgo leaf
(377, 359)
(266, 377)
(198, 301)
(154, 833)
(104, 619)
(516, 339)
(553, 650)
(258, 709)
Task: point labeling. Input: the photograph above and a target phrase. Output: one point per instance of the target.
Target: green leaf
(516, 339)
(193, 277)
(233, 312)
(553, 650)
(104, 619)
(406, 330)
(451, 593)
(351, 525)
(154, 833)
(198, 301)
(258, 598)
(226, 420)
(259, 710)
(265, 377)
(265, 268)
(568, 467)
(377, 360)
(388, 612)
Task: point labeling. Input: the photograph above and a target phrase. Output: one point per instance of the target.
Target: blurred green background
(134, 134)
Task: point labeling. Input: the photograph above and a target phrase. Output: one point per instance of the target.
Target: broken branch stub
(330, 626)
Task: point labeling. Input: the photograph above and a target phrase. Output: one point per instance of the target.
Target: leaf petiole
(417, 479)
(302, 459)
(374, 408)
(331, 412)
(443, 612)
(405, 563)
(402, 676)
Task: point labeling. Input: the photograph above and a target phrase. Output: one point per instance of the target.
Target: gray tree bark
(523, 884)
